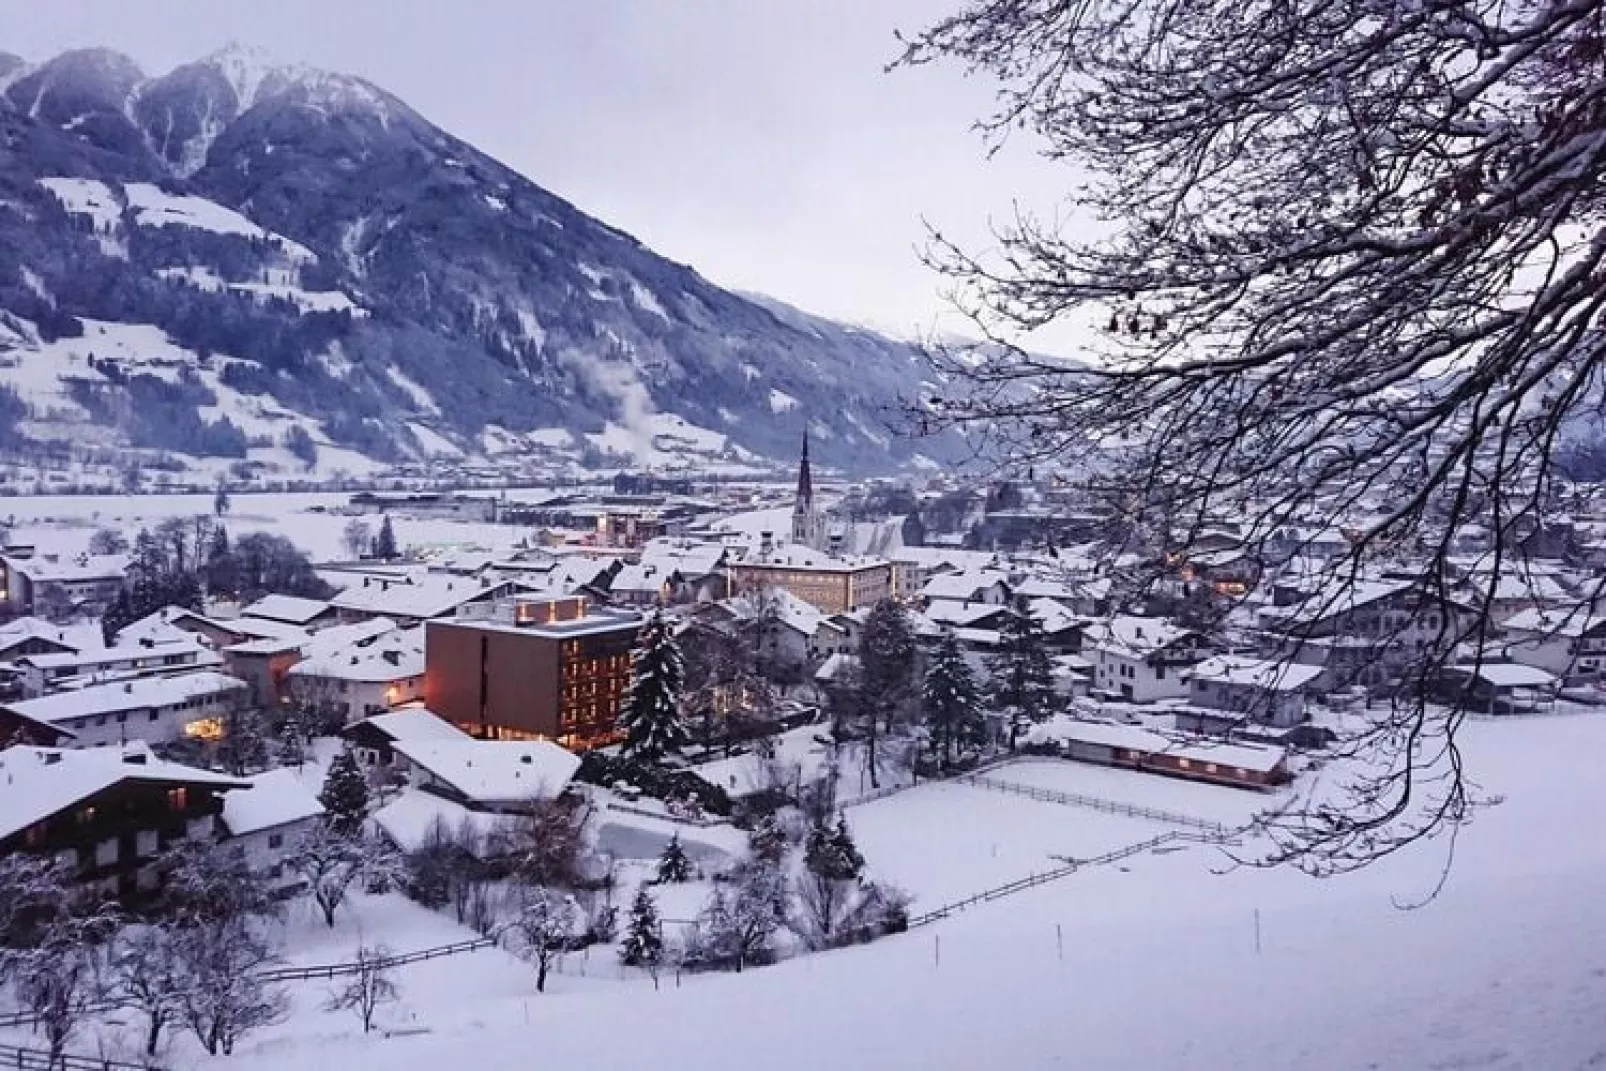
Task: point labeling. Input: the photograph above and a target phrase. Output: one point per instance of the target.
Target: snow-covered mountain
(282, 269)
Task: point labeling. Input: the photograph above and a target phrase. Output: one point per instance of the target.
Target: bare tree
(332, 863)
(548, 844)
(59, 973)
(1352, 277)
(546, 922)
(147, 976)
(358, 537)
(368, 988)
(226, 997)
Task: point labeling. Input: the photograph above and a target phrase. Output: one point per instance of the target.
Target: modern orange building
(531, 668)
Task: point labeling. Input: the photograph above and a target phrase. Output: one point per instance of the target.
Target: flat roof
(591, 624)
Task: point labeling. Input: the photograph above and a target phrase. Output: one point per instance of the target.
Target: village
(669, 736)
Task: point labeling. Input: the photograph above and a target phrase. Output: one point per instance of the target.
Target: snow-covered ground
(63, 524)
(1151, 964)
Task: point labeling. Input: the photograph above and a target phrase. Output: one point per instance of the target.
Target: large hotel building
(525, 669)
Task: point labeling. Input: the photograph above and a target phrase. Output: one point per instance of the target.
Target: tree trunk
(153, 1034)
(540, 974)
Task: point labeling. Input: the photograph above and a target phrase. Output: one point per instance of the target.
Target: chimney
(365, 581)
(135, 758)
(526, 760)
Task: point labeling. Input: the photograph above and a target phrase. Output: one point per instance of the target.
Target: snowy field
(1153, 964)
(63, 524)
(1232, 807)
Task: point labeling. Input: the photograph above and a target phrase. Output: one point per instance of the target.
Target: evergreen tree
(384, 547)
(885, 678)
(244, 747)
(222, 567)
(118, 616)
(345, 795)
(1022, 677)
(832, 854)
(674, 868)
(643, 945)
(767, 841)
(651, 717)
(950, 702)
(220, 501)
(292, 744)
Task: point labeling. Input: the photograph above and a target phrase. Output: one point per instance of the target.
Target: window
(1184, 764)
(152, 716)
(275, 840)
(177, 798)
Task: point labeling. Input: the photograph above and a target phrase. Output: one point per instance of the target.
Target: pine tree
(950, 702)
(292, 745)
(222, 568)
(384, 547)
(832, 854)
(767, 841)
(674, 868)
(643, 945)
(1023, 677)
(651, 717)
(118, 616)
(345, 795)
(886, 676)
(243, 748)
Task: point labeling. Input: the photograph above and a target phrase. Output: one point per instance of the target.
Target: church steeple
(805, 518)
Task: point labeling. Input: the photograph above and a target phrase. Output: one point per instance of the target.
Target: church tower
(805, 516)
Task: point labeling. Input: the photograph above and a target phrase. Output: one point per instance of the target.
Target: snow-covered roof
(1061, 727)
(1053, 616)
(277, 798)
(1271, 676)
(959, 614)
(77, 637)
(184, 646)
(50, 568)
(643, 578)
(416, 597)
(790, 610)
(1136, 635)
(1507, 675)
(799, 557)
(287, 608)
(1554, 622)
(964, 585)
(406, 820)
(691, 558)
(494, 771)
(395, 654)
(835, 666)
(137, 694)
(415, 723)
(37, 782)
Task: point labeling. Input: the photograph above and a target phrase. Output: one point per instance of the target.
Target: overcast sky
(759, 141)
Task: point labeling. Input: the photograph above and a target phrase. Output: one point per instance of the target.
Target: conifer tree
(643, 945)
(292, 745)
(767, 842)
(345, 795)
(832, 854)
(950, 702)
(1022, 677)
(674, 868)
(651, 718)
(886, 677)
(384, 547)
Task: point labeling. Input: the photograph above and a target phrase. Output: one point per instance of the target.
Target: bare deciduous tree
(1349, 273)
(546, 923)
(147, 977)
(367, 988)
(225, 997)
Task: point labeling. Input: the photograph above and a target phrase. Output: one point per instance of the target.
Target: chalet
(153, 709)
(263, 825)
(496, 776)
(366, 676)
(1252, 689)
(44, 674)
(982, 585)
(34, 636)
(112, 812)
(1497, 688)
(1568, 644)
(1143, 659)
(48, 582)
(374, 738)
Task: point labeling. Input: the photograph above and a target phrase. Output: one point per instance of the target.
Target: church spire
(805, 477)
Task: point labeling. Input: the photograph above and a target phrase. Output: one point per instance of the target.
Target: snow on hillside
(89, 197)
(781, 402)
(154, 207)
(1169, 960)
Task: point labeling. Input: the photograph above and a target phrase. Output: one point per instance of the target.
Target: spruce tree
(345, 795)
(643, 945)
(886, 677)
(243, 748)
(292, 745)
(951, 703)
(384, 547)
(222, 569)
(651, 718)
(674, 868)
(831, 853)
(767, 842)
(1023, 677)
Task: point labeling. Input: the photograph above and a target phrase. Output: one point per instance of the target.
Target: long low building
(154, 709)
(1109, 743)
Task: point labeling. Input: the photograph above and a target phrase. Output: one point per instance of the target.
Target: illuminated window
(177, 798)
(208, 729)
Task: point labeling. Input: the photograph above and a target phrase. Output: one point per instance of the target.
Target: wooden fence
(1074, 799)
(1032, 881)
(20, 1059)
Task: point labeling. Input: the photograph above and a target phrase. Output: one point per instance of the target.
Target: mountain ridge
(322, 250)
